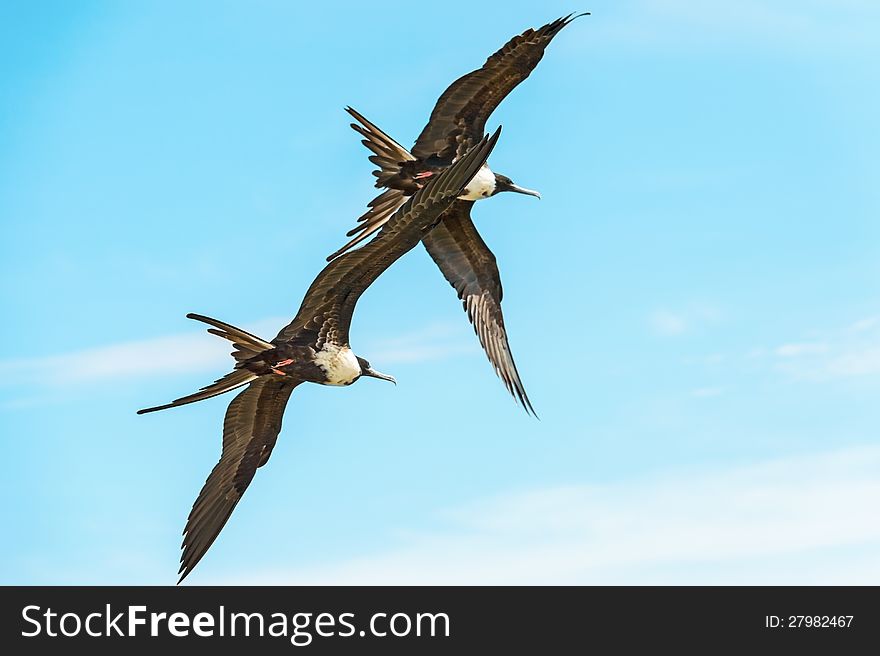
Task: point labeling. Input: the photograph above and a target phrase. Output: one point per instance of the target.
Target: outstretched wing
(251, 426)
(460, 115)
(469, 266)
(326, 311)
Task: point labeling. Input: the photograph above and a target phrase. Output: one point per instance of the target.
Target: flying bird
(314, 348)
(457, 122)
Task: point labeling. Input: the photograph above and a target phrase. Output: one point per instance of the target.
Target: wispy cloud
(739, 520)
(436, 341)
(867, 323)
(191, 351)
(785, 24)
(706, 392)
(864, 362)
(800, 349)
(669, 323)
(851, 352)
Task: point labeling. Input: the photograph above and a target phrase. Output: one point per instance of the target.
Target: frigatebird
(314, 348)
(457, 122)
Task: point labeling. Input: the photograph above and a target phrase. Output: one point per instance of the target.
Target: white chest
(339, 364)
(482, 186)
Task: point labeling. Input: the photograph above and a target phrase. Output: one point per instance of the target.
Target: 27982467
(808, 621)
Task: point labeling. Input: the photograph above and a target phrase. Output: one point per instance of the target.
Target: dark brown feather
(391, 158)
(457, 122)
(469, 266)
(459, 117)
(253, 418)
(227, 383)
(326, 311)
(382, 207)
(250, 429)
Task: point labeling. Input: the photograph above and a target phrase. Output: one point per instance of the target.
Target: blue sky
(693, 305)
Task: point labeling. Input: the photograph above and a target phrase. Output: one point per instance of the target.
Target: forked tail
(246, 347)
(389, 156)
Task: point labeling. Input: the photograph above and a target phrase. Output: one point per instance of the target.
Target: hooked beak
(372, 373)
(523, 190)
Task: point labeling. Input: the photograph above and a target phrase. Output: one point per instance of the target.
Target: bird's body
(332, 364)
(338, 364)
(457, 121)
(313, 347)
(482, 186)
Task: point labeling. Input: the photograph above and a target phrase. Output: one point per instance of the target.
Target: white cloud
(865, 324)
(186, 352)
(864, 362)
(433, 342)
(179, 353)
(667, 323)
(800, 349)
(781, 25)
(850, 352)
(729, 526)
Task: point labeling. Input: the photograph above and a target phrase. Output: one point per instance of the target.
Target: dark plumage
(314, 347)
(469, 266)
(457, 122)
(459, 117)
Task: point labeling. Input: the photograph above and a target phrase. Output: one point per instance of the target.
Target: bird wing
(469, 266)
(457, 122)
(250, 429)
(459, 117)
(326, 311)
(388, 155)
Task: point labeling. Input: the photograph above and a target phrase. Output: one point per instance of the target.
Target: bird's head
(503, 183)
(367, 370)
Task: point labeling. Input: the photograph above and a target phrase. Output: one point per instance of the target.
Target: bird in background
(313, 348)
(457, 122)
